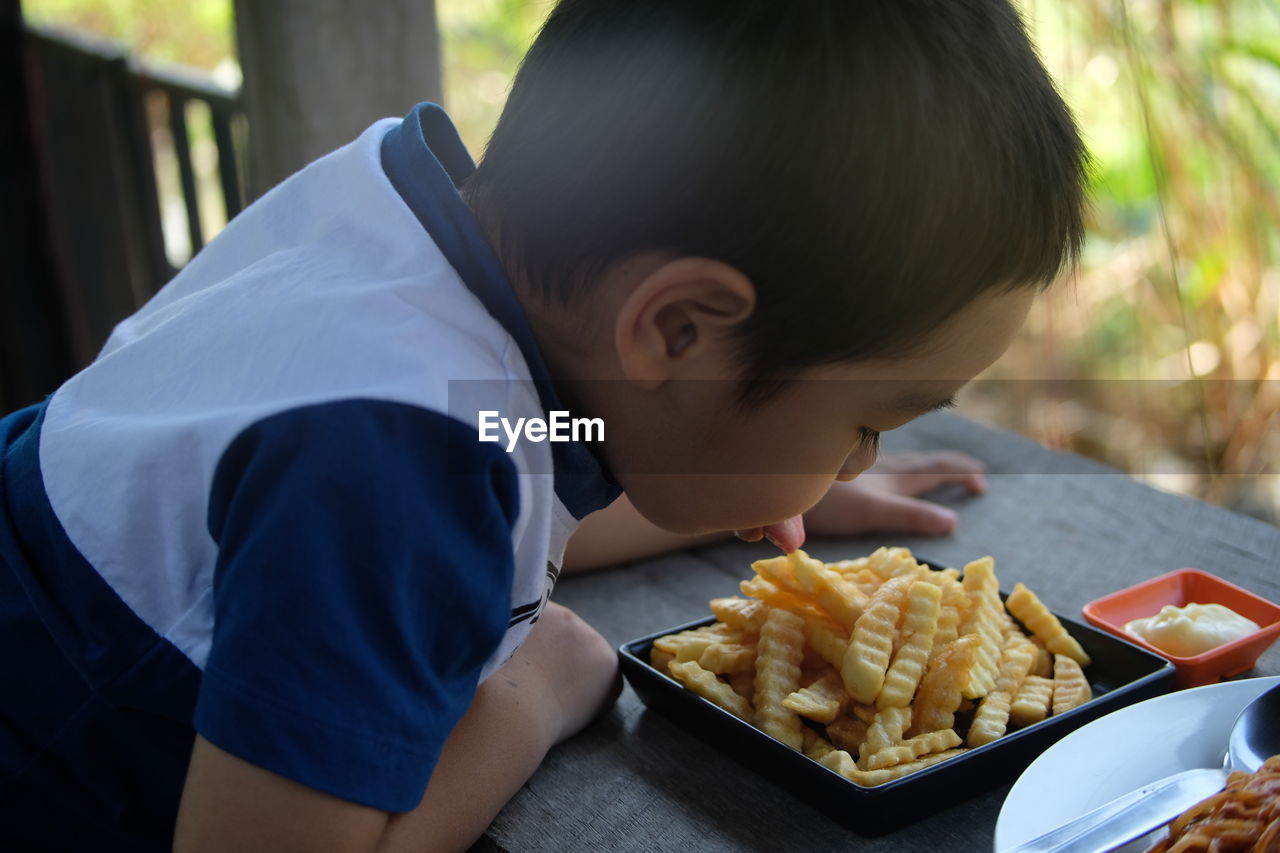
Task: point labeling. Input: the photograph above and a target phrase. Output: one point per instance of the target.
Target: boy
(258, 557)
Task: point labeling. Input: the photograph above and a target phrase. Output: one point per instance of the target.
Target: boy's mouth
(787, 535)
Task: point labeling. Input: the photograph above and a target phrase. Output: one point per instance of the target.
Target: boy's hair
(871, 166)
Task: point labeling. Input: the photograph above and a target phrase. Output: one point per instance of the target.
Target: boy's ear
(673, 324)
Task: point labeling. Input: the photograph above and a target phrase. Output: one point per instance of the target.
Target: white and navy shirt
(264, 511)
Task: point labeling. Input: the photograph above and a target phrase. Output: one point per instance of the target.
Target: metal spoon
(1255, 736)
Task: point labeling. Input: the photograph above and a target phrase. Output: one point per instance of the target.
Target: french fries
(728, 658)
(993, 714)
(941, 690)
(867, 657)
(1032, 702)
(1024, 604)
(705, 684)
(1070, 687)
(985, 620)
(886, 729)
(781, 648)
(848, 733)
(920, 624)
(822, 701)
(880, 666)
(912, 748)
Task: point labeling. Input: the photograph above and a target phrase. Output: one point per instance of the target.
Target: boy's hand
(883, 499)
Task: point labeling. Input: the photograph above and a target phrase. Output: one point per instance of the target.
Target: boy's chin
(686, 511)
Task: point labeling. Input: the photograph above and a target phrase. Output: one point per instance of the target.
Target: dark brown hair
(872, 167)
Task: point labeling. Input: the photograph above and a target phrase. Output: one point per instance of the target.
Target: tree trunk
(318, 72)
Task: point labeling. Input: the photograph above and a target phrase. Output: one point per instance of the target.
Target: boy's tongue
(787, 535)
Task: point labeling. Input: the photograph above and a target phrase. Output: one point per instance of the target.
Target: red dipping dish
(1180, 588)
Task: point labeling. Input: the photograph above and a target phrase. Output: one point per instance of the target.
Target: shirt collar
(426, 161)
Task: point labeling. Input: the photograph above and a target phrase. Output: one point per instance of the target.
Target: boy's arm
(230, 804)
(881, 500)
(559, 679)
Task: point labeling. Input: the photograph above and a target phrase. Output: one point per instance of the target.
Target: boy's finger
(890, 513)
(966, 470)
(919, 472)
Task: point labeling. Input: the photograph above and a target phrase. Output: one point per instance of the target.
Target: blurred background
(1160, 356)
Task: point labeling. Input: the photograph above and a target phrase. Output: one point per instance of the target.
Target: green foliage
(1179, 101)
(483, 41)
(198, 33)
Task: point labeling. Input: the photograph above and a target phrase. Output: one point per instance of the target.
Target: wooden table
(1071, 529)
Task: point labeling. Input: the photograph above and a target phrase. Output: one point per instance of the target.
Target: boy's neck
(567, 344)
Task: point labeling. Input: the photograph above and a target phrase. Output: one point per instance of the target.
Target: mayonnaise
(1191, 630)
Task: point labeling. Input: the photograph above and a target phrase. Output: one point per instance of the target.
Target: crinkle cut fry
(848, 567)
(778, 655)
(728, 658)
(918, 629)
(827, 641)
(777, 571)
(1043, 665)
(940, 690)
(886, 730)
(837, 596)
(822, 701)
(688, 645)
(843, 763)
(848, 733)
(1032, 701)
(954, 608)
(745, 614)
(867, 659)
(992, 719)
(1032, 612)
(706, 685)
(890, 563)
(773, 596)
(780, 573)
(912, 748)
(1070, 688)
(986, 620)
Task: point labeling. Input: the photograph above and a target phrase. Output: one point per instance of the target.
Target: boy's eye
(868, 438)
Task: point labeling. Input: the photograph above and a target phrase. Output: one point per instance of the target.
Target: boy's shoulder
(327, 287)
(330, 331)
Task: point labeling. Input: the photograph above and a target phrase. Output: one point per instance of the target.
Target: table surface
(1069, 528)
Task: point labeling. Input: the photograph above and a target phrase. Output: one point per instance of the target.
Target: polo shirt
(264, 513)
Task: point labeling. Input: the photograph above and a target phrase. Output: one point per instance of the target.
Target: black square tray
(1120, 673)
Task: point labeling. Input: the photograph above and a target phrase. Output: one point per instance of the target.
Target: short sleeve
(363, 579)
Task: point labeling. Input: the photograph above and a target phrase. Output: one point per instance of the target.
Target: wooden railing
(100, 121)
(94, 224)
(179, 90)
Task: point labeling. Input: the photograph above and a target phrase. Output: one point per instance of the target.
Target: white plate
(1122, 751)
